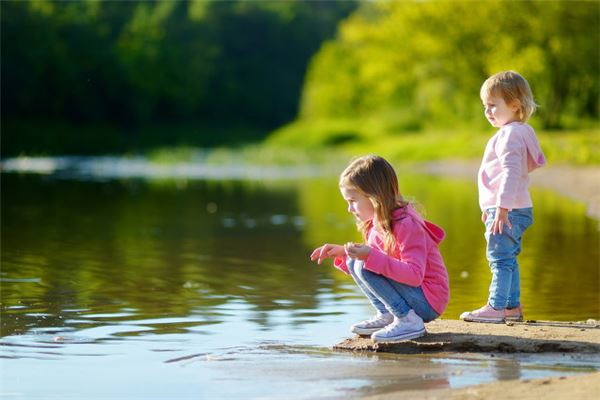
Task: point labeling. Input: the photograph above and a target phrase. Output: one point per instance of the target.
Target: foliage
(94, 77)
(579, 148)
(422, 63)
(131, 65)
(372, 135)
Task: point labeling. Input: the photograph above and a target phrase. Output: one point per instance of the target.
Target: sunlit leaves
(431, 58)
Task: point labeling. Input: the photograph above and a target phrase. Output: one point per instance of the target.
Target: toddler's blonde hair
(511, 86)
(374, 177)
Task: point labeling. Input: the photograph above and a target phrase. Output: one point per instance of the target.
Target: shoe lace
(485, 308)
(389, 328)
(372, 321)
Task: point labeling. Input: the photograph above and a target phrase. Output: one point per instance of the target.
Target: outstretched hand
(327, 251)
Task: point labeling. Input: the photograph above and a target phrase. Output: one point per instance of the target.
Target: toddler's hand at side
(327, 251)
(500, 221)
(357, 251)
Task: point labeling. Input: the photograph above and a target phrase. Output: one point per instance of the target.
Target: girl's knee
(363, 273)
(359, 272)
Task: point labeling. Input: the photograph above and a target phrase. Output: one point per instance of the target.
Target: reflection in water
(560, 274)
(130, 279)
(78, 245)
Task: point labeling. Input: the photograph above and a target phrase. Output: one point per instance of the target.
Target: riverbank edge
(447, 336)
(580, 387)
(512, 337)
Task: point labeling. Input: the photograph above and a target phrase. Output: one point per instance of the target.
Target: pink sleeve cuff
(340, 263)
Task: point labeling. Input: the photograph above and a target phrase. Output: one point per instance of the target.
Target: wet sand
(451, 336)
(580, 387)
(578, 183)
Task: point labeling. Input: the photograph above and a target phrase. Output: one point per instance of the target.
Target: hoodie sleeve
(409, 265)
(511, 151)
(340, 263)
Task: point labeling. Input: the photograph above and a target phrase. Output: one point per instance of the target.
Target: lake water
(197, 284)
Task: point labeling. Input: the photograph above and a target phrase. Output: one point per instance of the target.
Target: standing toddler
(503, 180)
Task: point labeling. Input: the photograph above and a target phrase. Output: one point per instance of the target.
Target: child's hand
(484, 216)
(357, 251)
(500, 221)
(327, 251)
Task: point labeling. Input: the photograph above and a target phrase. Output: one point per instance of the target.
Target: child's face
(358, 204)
(498, 113)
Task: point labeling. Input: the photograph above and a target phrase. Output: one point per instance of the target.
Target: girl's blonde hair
(511, 86)
(374, 177)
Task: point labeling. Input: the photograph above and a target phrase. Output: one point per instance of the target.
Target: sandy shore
(443, 336)
(518, 337)
(579, 183)
(580, 387)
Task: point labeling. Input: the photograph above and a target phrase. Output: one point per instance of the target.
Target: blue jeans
(387, 295)
(502, 251)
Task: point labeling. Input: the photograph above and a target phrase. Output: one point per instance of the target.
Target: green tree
(422, 63)
(131, 65)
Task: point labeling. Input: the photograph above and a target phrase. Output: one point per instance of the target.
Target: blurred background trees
(118, 76)
(93, 76)
(421, 64)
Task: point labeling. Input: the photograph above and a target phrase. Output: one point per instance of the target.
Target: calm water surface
(129, 287)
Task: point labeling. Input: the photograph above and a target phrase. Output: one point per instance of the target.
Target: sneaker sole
(365, 331)
(484, 320)
(514, 319)
(401, 338)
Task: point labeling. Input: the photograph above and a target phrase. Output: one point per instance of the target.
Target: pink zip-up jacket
(503, 177)
(416, 260)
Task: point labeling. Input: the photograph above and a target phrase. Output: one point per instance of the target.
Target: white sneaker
(410, 326)
(373, 324)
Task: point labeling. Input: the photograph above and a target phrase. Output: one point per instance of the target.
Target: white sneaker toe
(372, 325)
(408, 327)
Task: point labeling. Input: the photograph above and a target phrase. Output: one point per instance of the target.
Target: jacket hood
(535, 155)
(435, 232)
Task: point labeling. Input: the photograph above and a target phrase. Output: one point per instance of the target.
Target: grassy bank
(576, 147)
(322, 142)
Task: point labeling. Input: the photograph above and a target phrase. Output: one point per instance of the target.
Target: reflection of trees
(158, 250)
(451, 204)
(559, 262)
(106, 247)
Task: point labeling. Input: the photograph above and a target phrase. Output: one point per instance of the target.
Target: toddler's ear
(515, 105)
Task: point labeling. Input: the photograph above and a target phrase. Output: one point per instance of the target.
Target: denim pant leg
(502, 252)
(379, 306)
(514, 294)
(397, 297)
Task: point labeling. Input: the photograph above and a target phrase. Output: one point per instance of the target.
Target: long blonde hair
(374, 177)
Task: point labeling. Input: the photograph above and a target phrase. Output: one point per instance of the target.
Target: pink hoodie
(417, 260)
(503, 177)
